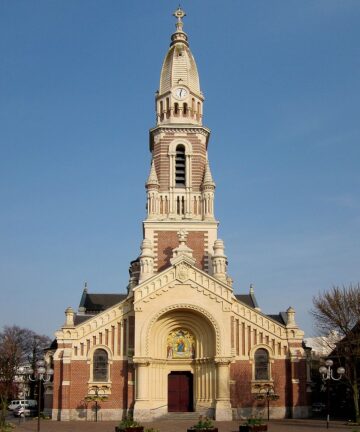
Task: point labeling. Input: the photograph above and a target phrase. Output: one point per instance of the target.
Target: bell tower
(180, 188)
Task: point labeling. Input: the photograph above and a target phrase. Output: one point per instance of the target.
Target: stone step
(180, 416)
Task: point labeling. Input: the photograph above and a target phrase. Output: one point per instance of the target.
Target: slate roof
(95, 303)
(248, 299)
(281, 318)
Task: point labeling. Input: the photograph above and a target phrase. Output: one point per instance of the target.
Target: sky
(77, 85)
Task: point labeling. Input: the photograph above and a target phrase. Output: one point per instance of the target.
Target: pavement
(288, 425)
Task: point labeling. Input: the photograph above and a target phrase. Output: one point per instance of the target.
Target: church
(179, 340)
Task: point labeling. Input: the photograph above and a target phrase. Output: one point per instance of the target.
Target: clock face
(181, 92)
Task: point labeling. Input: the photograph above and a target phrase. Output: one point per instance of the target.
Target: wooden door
(180, 392)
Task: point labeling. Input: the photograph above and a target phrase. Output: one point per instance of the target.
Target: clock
(181, 92)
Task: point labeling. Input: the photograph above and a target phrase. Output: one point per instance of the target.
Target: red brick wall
(290, 394)
(168, 240)
(162, 161)
(73, 396)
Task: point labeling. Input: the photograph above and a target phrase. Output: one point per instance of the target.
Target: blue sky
(77, 84)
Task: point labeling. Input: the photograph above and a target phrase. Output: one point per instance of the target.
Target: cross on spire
(179, 14)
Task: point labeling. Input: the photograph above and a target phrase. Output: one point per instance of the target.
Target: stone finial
(134, 274)
(219, 261)
(179, 35)
(290, 317)
(252, 291)
(152, 181)
(182, 235)
(69, 314)
(179, 14)
(182, 249)
(146, 260)
(208, 181)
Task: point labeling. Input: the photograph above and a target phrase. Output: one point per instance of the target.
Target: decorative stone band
(201, 130)
(223, 360)
(142, 361)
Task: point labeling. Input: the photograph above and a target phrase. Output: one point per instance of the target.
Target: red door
(180, 385)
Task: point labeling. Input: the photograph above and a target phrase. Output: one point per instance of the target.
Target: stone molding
(223, 360)
(188, 307)
(143, 361)
(203, 282)
(180, 129)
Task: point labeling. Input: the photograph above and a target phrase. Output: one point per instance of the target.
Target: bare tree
(339, 310)
(18, 346)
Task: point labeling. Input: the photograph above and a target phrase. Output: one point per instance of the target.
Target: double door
(180, 392)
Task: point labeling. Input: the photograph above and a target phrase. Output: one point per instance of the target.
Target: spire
(152, 179)
(179, 35)
(208, 180)
(179, 67)
(252, 291)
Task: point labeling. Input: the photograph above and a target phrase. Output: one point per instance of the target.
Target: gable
(185, 274)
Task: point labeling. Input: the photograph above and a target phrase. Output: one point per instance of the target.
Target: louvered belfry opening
(180, 166)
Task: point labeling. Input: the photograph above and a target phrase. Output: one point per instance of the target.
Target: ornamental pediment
(183, 272)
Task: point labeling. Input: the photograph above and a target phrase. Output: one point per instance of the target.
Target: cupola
(179, 99)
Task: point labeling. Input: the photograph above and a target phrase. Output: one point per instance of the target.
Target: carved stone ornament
(223, 360)
(182, 272)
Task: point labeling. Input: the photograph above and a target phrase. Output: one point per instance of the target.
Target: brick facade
(168, 240)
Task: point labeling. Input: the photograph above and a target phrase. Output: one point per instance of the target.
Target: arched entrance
(183, 353)
(177, 364)
(180, 391)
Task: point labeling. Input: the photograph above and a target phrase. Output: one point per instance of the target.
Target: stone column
(142, 407)
(219, 261)
(146, 260)
(66, 385)
(223, 411)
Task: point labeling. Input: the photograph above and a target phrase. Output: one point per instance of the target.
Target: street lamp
(40, 375)
(95, 396)
(327, 374)
(266, 392)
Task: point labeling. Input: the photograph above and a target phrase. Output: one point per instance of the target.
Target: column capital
(141, 361)
(223, 361)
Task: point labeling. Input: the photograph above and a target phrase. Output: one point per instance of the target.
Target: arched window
(185, 109)
(161, 110)
(176, 108)
(100, 365)
(167, 107)
(180, 166)
(261, 364)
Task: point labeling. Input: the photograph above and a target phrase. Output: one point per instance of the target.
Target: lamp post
(95, 396)
(40, 374)
(327, 374)
(266, 392)
(22, 373)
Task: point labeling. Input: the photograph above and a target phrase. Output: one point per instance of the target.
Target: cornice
(182, 128)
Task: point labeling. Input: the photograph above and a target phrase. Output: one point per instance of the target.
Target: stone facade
(180, 339)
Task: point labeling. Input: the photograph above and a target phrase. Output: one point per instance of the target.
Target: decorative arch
(262, 356)
(170, 318)
(92, 362)
(99, 346)
(267, 347)
(180, 141)
(188, 150)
